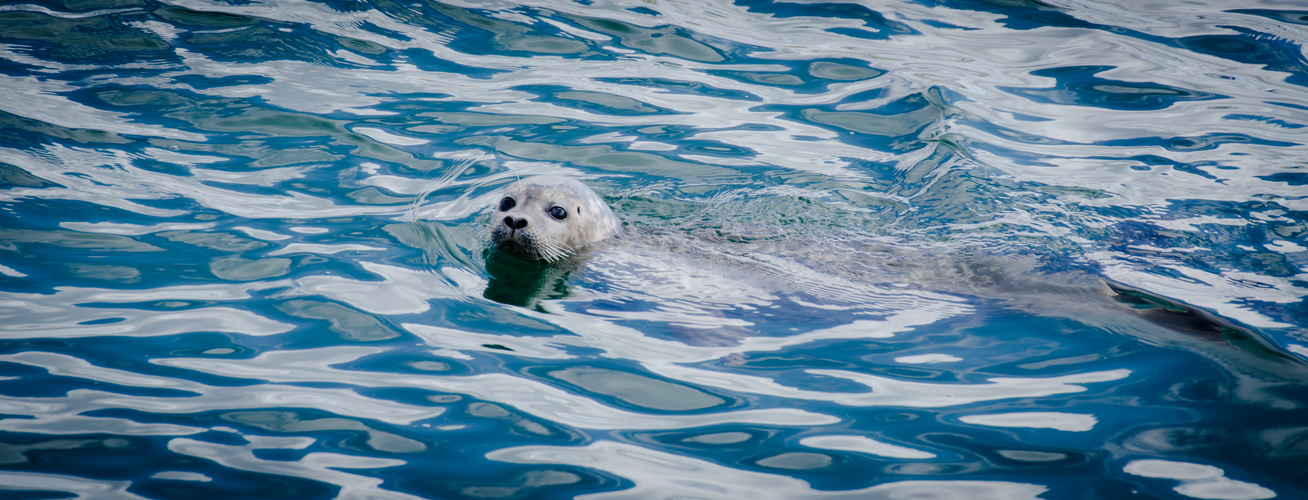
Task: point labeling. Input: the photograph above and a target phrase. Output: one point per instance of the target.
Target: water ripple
(541, 400)
(980, 250)
(669, 475)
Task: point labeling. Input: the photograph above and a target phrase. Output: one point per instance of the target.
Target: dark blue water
(969, 250)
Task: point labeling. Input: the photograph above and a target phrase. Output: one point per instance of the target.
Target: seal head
(549, 218)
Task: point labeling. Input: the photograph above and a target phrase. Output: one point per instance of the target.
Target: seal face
(549, 217)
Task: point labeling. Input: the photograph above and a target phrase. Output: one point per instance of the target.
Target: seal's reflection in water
(524, 282)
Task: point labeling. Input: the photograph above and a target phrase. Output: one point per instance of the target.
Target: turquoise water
(1004, 249)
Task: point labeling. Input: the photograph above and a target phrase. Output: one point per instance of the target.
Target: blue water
(970, 250)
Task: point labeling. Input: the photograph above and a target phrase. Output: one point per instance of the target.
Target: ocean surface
(1003, 249)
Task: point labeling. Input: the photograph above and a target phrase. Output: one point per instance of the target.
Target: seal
(549, 218)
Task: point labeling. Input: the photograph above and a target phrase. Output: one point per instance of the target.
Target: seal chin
(514, 248)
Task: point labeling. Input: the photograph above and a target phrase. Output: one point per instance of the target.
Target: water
(1004, 249)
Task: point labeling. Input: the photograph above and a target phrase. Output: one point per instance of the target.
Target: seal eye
(507, 203)
(559, 213)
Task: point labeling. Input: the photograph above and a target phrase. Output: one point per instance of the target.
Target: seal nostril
(508, 221)
(520, 224)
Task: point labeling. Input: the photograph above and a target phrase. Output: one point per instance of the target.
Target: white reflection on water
(131, 229)
(182, 476)
(533, 397)
(554, 404)
(42, 99)
(79, 487)
(63, 414)
(313, 466)
(864, 444)
(294, 248)
(1199, 481)
(84, 175)
(886, 391)
(1072, 422)
(624, 342)
(30, 317)
(383, 136)
(930, 358)
(657, 474)
(62, 315)
(401, 291)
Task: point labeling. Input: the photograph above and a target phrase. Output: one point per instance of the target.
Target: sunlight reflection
(660, 474)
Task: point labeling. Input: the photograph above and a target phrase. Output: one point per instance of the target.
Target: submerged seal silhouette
(549, 218)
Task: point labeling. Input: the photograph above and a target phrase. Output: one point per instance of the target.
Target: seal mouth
(515, 248)
(532, 250)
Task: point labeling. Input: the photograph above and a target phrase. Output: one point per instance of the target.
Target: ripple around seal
(978, 250)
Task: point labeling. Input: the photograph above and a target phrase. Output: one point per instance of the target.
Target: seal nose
(518, 224)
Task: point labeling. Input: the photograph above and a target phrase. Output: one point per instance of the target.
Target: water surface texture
(1001, 249)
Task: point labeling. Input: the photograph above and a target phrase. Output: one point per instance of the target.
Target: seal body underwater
(549, 218)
